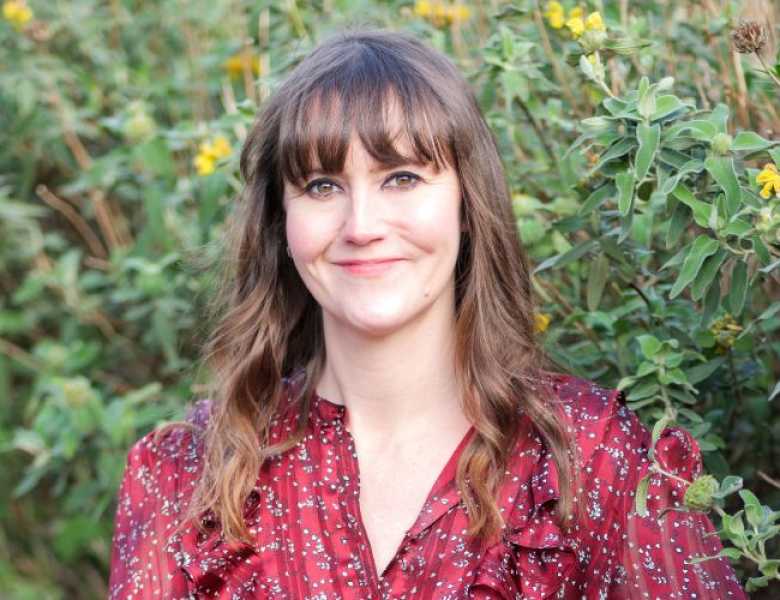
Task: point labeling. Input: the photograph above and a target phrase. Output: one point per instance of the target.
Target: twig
(116, 235)
(90, 237)
(538, 130)
(15, 352)
(769, 479)
(556, 67)
(767, 69)
(742, 95)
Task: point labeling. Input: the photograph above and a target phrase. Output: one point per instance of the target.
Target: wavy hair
(269, 325)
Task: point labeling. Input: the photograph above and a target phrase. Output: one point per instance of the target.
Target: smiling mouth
(370, 268)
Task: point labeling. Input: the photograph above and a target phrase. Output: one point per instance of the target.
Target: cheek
(436, 223)
(308, 235)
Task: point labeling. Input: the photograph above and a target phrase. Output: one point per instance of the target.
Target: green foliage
(636, 155)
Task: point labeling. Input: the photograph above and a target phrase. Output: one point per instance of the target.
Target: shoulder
(180, 443)
(594, 414)
(173, 448)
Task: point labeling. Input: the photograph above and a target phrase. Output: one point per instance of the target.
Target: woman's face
(408, 216)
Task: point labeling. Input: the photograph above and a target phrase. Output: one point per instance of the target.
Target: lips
(369, 267)
(374, 261)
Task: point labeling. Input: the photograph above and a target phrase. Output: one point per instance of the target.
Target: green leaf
(701, 210)
(665, 105)
(711, 303)
(755, 583)
(597, 279)
(649, 344)
(700, 130)
(704, 370)
(643, 390)
(749, 141)
(560, 260)
(620, 148)
(659, 427)
(739, 280)
(692, 166)
(753, 509)
(771, 266)
(596, 199)
(625, 187)
(677, 224)
(737, 227)
(648, 137)
(774, 392)
(729, 485)
(734, 526)
(646, 105)
(769, 567)
(719, 117)
(707, 274)
(763, 254)
(722, 170)
(732, 553)
(702, 247)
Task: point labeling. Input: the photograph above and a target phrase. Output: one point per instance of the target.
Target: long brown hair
(270, 325)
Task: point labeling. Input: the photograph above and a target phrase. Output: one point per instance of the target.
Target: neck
(396, 384)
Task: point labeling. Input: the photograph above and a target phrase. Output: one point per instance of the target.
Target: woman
(383, 423)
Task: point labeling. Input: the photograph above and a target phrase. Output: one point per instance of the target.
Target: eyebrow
(373, 170)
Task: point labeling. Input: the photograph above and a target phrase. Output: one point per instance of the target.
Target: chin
(378, 324)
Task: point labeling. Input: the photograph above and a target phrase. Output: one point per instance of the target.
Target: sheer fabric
(309, 541)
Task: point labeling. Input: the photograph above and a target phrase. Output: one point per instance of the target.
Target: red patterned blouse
(310, 543)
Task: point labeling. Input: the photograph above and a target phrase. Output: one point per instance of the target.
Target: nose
(364, 220)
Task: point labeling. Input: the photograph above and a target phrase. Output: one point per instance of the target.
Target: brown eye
(405, 179)
(319, 187)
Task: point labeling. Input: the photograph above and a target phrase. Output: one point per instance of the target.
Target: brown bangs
(359, 95)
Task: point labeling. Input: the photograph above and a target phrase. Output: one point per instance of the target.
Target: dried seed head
(749, 37)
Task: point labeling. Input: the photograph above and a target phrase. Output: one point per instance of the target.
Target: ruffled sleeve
(645, 557)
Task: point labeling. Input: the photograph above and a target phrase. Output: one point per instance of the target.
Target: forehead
(378, 128)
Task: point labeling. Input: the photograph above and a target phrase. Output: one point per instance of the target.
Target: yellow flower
(770, 179)
(442, 13)
(209, 153)
(576, 26)
(555, 15)
(422, 8)
(17, 13)
(220, 148)
(592, 58)
(204, 164)
(235, 65)
(542, 320)
(576, 12)
(594, 22)
(458, 13)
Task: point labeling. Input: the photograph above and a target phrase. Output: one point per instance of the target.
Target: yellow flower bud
(460, 13)
(555, 15)
(542, 320)
(17, 13)
(235, 65)
(594, 22)
(204, 164)
(576, 26)
(422, 8)
(220, 147)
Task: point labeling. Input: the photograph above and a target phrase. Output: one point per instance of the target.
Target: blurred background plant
(640, 137)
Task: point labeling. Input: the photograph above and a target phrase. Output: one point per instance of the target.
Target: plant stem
(768, 70)
(658, 469)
